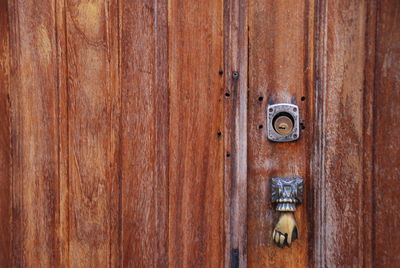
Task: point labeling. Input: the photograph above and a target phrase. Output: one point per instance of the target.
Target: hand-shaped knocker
(286, 193)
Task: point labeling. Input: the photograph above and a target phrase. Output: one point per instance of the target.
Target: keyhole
(283, 126)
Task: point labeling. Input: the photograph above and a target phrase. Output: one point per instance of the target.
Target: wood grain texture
(125, 139)
(368, 134)
(196, 154)
(235, 132)
(63, 165)
(92, 128)
(144, 133)
(280, 70)
(342, 159)
(387, 136)
(34, 130)
(5, 138)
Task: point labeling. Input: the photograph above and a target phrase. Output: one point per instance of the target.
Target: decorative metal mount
(286, 193)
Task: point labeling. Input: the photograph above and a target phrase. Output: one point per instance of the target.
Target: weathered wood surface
(386, 219)
(144, 134)
(34, 134)
(127, 141)
(93, 100)
(63, 129)
(342, 159)
(5, 139)
(196, 154)
(235, 132)
(280, 70)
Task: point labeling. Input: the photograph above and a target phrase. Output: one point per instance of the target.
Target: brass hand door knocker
(286, 193)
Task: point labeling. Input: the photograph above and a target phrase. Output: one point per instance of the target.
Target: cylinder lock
(283, 122)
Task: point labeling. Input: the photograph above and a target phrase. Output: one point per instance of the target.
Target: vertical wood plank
(144, 134)
(63, 197)
(93, 110)
(114, 158)
(34, 124)
(368, 135)
(235, 132)
(196, 221)
(342, 159)
(280, 70)
(5, 138)
(387, 136)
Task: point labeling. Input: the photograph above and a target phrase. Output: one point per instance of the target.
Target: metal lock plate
(286, 193)
(283, 122)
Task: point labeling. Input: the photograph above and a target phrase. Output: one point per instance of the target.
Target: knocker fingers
(279, 238)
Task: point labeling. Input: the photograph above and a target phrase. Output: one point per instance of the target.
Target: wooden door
(133, 133)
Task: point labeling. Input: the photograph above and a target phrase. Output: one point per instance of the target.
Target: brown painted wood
(5, 139)
(387, 136)
(235, 132)
(144, 133)
(196, 150)
(280, 70)
(92, 128)
(34, 131)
